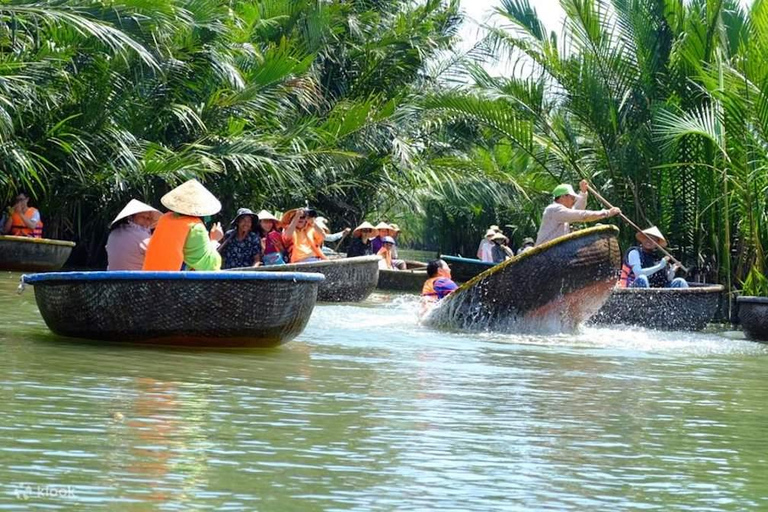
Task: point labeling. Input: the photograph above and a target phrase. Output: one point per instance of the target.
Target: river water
(367, 410)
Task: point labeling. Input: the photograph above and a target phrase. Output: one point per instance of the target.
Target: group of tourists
(494, 247)
(381, 240)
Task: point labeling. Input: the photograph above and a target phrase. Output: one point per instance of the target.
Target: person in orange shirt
(300, 238)
(22, 219)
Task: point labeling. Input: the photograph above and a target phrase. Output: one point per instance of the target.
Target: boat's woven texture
(402, 280)
(346, 279)
(552, 288)
(753, 316)
(33, 254)
(190, 312)
(667, 309)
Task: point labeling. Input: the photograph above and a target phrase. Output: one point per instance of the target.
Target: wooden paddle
(636, 227)
(338, 244)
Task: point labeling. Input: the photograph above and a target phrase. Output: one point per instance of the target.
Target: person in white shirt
(566, 208)
(484, 251)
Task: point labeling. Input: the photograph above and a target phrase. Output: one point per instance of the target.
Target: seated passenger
(241, 245)
(387, 254)
(362, 237)
(129, 236)
(22, 219)
(180, 238)
(299, 237)
(642, 267)
(271, 239)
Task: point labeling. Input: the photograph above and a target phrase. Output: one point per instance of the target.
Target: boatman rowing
(566, 208)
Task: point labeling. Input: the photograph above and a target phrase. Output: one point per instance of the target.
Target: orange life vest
(18, 228)
(438, 287)
(166, 247)
(304, 246)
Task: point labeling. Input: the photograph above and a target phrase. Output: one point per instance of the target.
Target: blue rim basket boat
(551, 288)
(208, 309)
(33, 254)
(464, 269)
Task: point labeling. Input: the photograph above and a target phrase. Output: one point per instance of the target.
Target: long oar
(336, 249)
(638, 228)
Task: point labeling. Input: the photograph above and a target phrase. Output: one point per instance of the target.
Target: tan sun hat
(322, 223)
(193, 199)
(132, 208)
(490, 232)
(498, 236)
(265, 215)
(364, 225)
(395, 227)
(654, 233)
(495, 228)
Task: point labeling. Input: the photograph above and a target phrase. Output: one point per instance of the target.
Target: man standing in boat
(566, 208)
(642, 268)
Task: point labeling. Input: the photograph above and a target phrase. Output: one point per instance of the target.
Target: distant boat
(666, 309)
(28, 254)
(207, 309)
(346, 279)
(464, 269)
(409, 280)
(554, 287)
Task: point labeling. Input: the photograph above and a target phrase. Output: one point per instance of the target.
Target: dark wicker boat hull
(753, 317)
(346, 279)
(666, 309)
(402, 280)
(552, 288)
(242, 313)
(33, 254)
(465, 269)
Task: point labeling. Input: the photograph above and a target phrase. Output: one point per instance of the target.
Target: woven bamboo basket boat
(465, 269)
(664, 309)
(552, 288)
(33, 254)
(209, 309)
(753, 317)
(402, 280)
(346, 279)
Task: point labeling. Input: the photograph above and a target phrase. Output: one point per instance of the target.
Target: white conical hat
(265, 215)
(132, 208)
(654, 232)
(364, 225)
(191, 198)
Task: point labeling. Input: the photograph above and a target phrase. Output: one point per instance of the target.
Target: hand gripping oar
(638, 228)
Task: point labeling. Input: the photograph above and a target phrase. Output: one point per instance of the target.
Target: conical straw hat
(383, 225)
(191, 198)
(364, 225)
(265, 215)
(132, 208)
(654, 233)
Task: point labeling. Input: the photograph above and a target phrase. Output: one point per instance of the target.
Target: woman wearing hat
(485, 249)
(299, 237)
(566, 208)
(241, 246)
(387, 253)
(642, 267)
(362, 237)
(129, 235)
(180, 237)
(272, 245)
(498, 251)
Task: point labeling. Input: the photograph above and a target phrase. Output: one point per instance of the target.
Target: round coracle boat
(402, 280)
(551, 288)
(207, 309)
(28, 254)
(753, 317)
(346, 279)
(665, 309)
(465, 269)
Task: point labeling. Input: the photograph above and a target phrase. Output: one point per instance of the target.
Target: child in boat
(387, 254)
(271, 239)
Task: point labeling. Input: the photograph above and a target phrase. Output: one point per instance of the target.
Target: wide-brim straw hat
(287, 217)
(395, 228)
(495, 228)
(193, 199)
(265, 215)
(383, 225)
(654, 233)
(322, 223)
(242, 212)
(364, 225)
(498, 236)
(490, 232)
(133, 207)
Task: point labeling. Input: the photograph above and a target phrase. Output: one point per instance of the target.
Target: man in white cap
(642, 268)
(129, 236)
(180, 237)
(566, 208)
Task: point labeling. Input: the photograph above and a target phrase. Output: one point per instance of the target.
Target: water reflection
(369, 411)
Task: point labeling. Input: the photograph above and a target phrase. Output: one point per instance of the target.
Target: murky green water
(369, 411)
